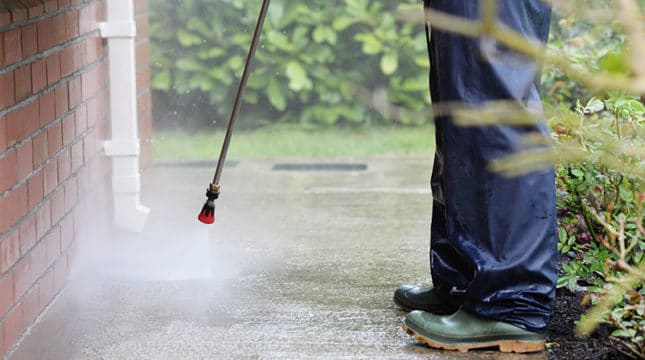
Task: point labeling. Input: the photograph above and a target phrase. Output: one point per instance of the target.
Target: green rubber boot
(463, 331)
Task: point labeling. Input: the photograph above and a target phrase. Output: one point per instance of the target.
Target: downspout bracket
(118, 29)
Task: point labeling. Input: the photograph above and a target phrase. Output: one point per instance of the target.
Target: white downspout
(123, 148)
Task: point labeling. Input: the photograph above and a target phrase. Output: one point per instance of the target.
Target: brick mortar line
(46, 15)
(32, 98)
(53, 157)
(47, 52)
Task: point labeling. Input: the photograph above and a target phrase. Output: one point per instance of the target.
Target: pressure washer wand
(207, 215)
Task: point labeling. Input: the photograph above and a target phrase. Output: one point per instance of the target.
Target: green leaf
(371, 45)
(276, 95)
(187, 38)
(190, 65)
(342, 23)
(578, 173)
(297, 75)
(389, 63)
(161, 81)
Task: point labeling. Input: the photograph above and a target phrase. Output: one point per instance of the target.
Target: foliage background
(318, 63)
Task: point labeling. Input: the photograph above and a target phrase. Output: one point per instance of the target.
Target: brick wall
(144, 97)
(53, 119)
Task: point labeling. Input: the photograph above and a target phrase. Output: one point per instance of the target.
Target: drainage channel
(319, 167)
(193, 164)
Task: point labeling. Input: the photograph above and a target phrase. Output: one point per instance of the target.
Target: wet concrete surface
(299, 265)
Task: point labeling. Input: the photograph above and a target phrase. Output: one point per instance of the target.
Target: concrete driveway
(300, 264)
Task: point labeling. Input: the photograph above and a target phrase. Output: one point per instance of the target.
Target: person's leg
(493, 238)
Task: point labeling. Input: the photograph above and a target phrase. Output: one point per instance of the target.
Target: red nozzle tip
(207, 215)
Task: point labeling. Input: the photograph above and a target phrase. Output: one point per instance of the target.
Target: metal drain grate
(319, 167)
(193, 164)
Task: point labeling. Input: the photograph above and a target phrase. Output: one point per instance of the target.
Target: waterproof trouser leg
(494, 238)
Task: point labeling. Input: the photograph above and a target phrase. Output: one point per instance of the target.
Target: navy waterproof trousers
(493, 238)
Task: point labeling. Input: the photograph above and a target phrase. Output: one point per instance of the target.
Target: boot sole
(506, 346)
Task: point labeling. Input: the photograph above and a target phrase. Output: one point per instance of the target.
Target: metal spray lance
(207, 215)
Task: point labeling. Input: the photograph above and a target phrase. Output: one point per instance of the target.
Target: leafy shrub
(319, 63)
(601, 210)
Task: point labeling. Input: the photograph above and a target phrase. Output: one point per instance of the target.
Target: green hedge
(319, 63)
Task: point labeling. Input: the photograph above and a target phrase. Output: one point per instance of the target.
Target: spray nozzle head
(207, 215)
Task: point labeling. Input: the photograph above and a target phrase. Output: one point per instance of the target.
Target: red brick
(59, 25)
(77, 156)
(84, 20)
(29, 40)
(140, 6)
(30, 307)
(67, 61)
(60, 274)
(93, 48)
(36, 11)
(53, 243)
(70, 195)
(9, 251)
(89, 84)
(79, 56)
(83, 183)
(142, 53)
(71, 31)
(50, 177)
(40, 148)
(7, 97)
(35, 190)
(62, 101)
(81, 121)
(53, 68)
(3, 350)
(43, 220)
(51, 5)
(6, 289)
(23, 82)
(5, 19)
(9, 171)
(3, 134)
(29, 114)
(13, 327)
(69, 130)
(92, 113)
(28, 235)
(64, 165)
(38, 76)
(13, 207)
(12, 46)
(58, 205)
(64, 3)
(25, 160)
(45, 35)
(67, 232)
(74, 92)
(54, 139)
(46, 289)
(14, 127)
(18, 11)
(96, 14)
(47, 108)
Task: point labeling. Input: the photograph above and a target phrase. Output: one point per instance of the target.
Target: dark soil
(564, 343)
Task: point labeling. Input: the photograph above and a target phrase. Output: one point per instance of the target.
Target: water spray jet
(207, 215)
